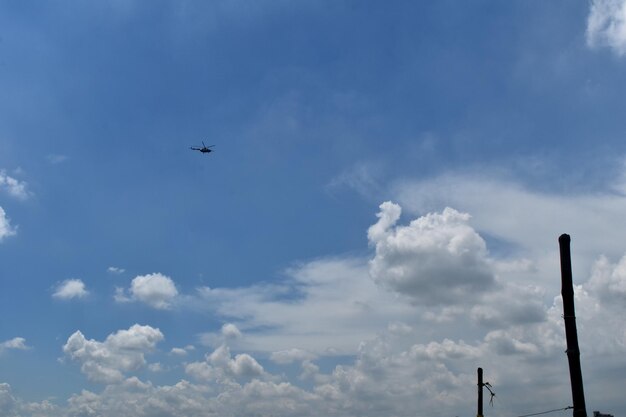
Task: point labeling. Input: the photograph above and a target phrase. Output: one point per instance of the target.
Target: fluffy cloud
(17, 343)
(135, 398)
(221, 366)
(121, 352)
(13, 187)
(156, 290)
(423, 357)
(436, 259)
(70, 288)
(606, 25)
(6, 229)
(10, 406)
(608, 280)
(530, 248)
(228, 333)
(182, 351)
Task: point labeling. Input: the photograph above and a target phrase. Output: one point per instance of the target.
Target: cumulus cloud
(156, 290)
(17, 343)
(608, 280)
(182, 351)
(436, 259)
(15, 188)
(11, 406)
(70, 288)
(606, 25)
(221, 366)
(403, 362)
(6, 229)
(229, 333)
(121, 352)
(594, 220)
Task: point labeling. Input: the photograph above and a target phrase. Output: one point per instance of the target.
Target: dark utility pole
(573, 352)
(479, 413)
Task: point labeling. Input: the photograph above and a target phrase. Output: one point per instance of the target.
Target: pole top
(564, 238)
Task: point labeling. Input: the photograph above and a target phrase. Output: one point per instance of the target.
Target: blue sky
(379, 218)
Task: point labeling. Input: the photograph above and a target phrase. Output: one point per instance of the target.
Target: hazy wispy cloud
(115, 270)
(6, 229)
(606, 25)
(362, 178)
(295, 313)
(291, 355)
(56, 159)
(15, 188)
(70, 288)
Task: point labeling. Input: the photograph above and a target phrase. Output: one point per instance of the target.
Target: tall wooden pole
(571, 335)
(479, 413)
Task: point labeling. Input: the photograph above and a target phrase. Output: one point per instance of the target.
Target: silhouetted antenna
(481, 384)
(571, 335)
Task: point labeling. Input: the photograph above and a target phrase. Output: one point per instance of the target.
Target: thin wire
(546, 412)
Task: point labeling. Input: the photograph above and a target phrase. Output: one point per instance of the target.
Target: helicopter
(204, 149)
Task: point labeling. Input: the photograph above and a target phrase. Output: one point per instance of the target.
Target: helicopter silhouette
(204, 149)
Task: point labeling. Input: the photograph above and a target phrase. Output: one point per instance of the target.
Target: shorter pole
(479, 413)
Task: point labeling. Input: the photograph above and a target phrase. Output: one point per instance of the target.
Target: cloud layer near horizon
(413, 348)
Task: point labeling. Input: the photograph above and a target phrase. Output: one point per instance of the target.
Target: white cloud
(115, 270)
(291, 355)
(527, 223)
(70, 288)
(436, 259)
(182, 351)
(17, 343)
(227, 334)
(408, 356)
(221, 366)
(13, 187)
(606, 25)
(7, 401)
(230, 331)
(295, 313)
(10, 406)
(608, 280)
(156, 290)
(178, 351)
(6, 229)
(121, 352)
(156, 367)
